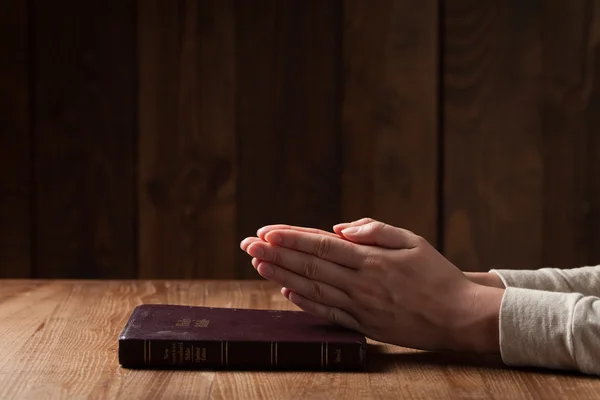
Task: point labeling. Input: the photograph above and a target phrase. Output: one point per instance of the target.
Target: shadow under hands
(380, 360)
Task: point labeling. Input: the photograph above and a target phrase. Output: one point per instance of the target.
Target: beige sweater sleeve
(551, 318)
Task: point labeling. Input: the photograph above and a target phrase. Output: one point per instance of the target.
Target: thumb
(381, 234)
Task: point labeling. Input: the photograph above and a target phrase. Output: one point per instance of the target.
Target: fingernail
(256, 251)
(264, 230)
(274, 238)
(351, 230)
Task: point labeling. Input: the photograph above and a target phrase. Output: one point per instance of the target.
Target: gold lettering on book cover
(180, 352)
(173, 353)
(338, 355)
(200, 354)
(203, 323)
(188, 354)
(166, 355)
(186, 322)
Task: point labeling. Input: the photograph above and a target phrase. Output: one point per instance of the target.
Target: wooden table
(58, 340)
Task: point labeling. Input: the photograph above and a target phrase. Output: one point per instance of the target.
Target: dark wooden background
(146, 139)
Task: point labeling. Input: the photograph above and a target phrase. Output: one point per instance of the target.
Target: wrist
(480, 330)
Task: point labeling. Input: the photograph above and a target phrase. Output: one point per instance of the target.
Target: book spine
(135, 353)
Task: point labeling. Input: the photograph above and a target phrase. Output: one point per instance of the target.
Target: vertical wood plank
(493, 141)
(569, 108)
(84, 121)
(390, 113)
(520, 132)
(15, 141)
(288, 56)
(187, 146)
(591, 117)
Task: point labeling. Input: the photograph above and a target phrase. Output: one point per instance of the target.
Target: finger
(303, 264)
(381, 234)
(339, 227)
(332, 314)
(286, 292)
(314, 290)
(255, 262)
(333, 249)
(247, 242)
(266, 229)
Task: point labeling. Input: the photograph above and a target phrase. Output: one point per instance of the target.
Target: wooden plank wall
(84, 126)
(15, 141)
(147, 138)
(521, 120)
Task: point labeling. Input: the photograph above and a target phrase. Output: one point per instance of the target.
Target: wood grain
(521, 154)
(569, 108)
(15, 141)
(493, 142)
(287, 115)
(58, 340)
(83, 117)
(390, 113)
(187, 147)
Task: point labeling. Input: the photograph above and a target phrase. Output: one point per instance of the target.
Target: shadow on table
(383, 361)
(380, 360)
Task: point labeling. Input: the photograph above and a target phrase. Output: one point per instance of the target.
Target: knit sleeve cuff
(536, 328)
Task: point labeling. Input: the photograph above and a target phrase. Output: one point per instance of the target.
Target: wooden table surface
(58, 340)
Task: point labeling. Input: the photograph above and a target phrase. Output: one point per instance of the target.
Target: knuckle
(276, 257)
(289, 239)
(310, 268)
(375, 227)
(372, 259)
(420, 241)
(378, 226)
(372, 262)
(332, 316)
(316, 291)
(323, 247)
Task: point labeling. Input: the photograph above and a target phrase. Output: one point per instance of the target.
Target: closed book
(175, 336)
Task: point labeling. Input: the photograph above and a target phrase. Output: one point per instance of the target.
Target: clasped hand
(386, 282)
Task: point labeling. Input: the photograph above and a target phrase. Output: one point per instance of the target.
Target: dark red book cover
(174, 336)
